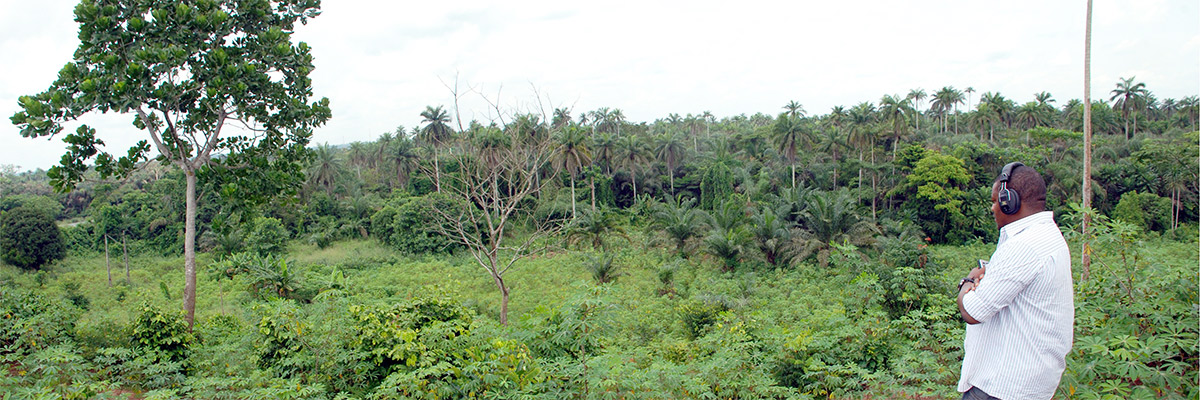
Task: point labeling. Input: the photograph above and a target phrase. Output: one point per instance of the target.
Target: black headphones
(1010, 200)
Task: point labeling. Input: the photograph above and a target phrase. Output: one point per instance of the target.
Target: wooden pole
(1086, 251)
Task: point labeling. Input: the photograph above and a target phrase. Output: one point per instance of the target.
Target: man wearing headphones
(1021, 318)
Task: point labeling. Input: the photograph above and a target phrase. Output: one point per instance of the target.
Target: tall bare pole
(1086, 256)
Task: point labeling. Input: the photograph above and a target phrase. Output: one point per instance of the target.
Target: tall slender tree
(184, 71)
(435, 132)
(572, 155)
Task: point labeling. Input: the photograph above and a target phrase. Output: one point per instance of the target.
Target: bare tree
(495, 178)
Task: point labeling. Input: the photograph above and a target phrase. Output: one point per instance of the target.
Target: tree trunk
(572, 196)
(106, 264)
(1085, 256)
(793, 174)
(189, 250)
(125, 251)
(633, 176)
(437, 172)
(592, 181)
(503, 298)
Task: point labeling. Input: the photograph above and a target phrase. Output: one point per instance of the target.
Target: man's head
(1025, 183)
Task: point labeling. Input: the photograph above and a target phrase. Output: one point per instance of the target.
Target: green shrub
(29, 238)
(157, 331)
(267, 236)
(698, 314)
(409, 224)
(30, 321)
(1147, 211)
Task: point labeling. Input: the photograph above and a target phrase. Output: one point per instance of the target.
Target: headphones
(1010, 200)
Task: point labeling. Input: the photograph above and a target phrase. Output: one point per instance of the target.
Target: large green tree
(186, 71)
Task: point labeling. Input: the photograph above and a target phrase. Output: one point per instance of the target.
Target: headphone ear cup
(1010, 201)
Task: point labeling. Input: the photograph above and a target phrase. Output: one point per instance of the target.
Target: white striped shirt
(1026, 311)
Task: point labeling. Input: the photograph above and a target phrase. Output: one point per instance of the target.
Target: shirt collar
(1016, 227)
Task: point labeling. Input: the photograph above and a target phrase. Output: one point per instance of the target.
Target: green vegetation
(796, 255)
(29, 238)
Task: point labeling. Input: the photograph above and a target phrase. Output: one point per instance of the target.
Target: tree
(1126, 97)
(435, 132)
(790, 133)
(896, 110)
(186, 71)
(794, 109)
(325, 168)
(633, 155)
(29, 238)
(572, 154)
(679, 220)
(917, 96)
(669, 149)
(495, 194)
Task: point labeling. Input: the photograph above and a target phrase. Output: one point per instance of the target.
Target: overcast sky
(381, 62)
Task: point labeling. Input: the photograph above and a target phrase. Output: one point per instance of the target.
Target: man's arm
(966, 288)
(975, 276)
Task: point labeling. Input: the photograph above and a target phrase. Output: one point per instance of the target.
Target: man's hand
(976, 274)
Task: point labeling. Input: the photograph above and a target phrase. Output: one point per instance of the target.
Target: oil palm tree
(1127, 97)
(572, 155)
(773, 236)
(633, 155)
(790, 133)
(435, 132)
(917, 96)
(794, 109)
(670, 150)
(326, 168)
(896, 110)
(679, 220)
(833, 217)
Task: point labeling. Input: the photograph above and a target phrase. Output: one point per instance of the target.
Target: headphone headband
(1006, 173)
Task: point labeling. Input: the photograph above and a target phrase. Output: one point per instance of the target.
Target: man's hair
(1028, 184)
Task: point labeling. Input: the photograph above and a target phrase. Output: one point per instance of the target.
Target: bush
(161, 332)
(1148, 211)
(267, 236)
(409, 224)
(29, 238)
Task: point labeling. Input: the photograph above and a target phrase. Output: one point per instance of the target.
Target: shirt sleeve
(1010, 271)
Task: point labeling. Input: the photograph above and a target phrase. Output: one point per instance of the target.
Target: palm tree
(679, 220)
(917, 96)
(1127, 95)
(572, 155)
(605, 146)
(435, 132)
(862, 134)
(896, 110)
(633, 155)
(774, 237)
(794, 109)
(594, 227)
(561, 118)
(326, 168)
(669, 149)
(359, 157)
(790, 132)
(403, 155)
(969, 90)
(833, 217)
(943, 101)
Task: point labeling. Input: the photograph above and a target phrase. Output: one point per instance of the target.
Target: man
(1021, 318)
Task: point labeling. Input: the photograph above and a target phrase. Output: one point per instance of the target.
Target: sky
(382, 62)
